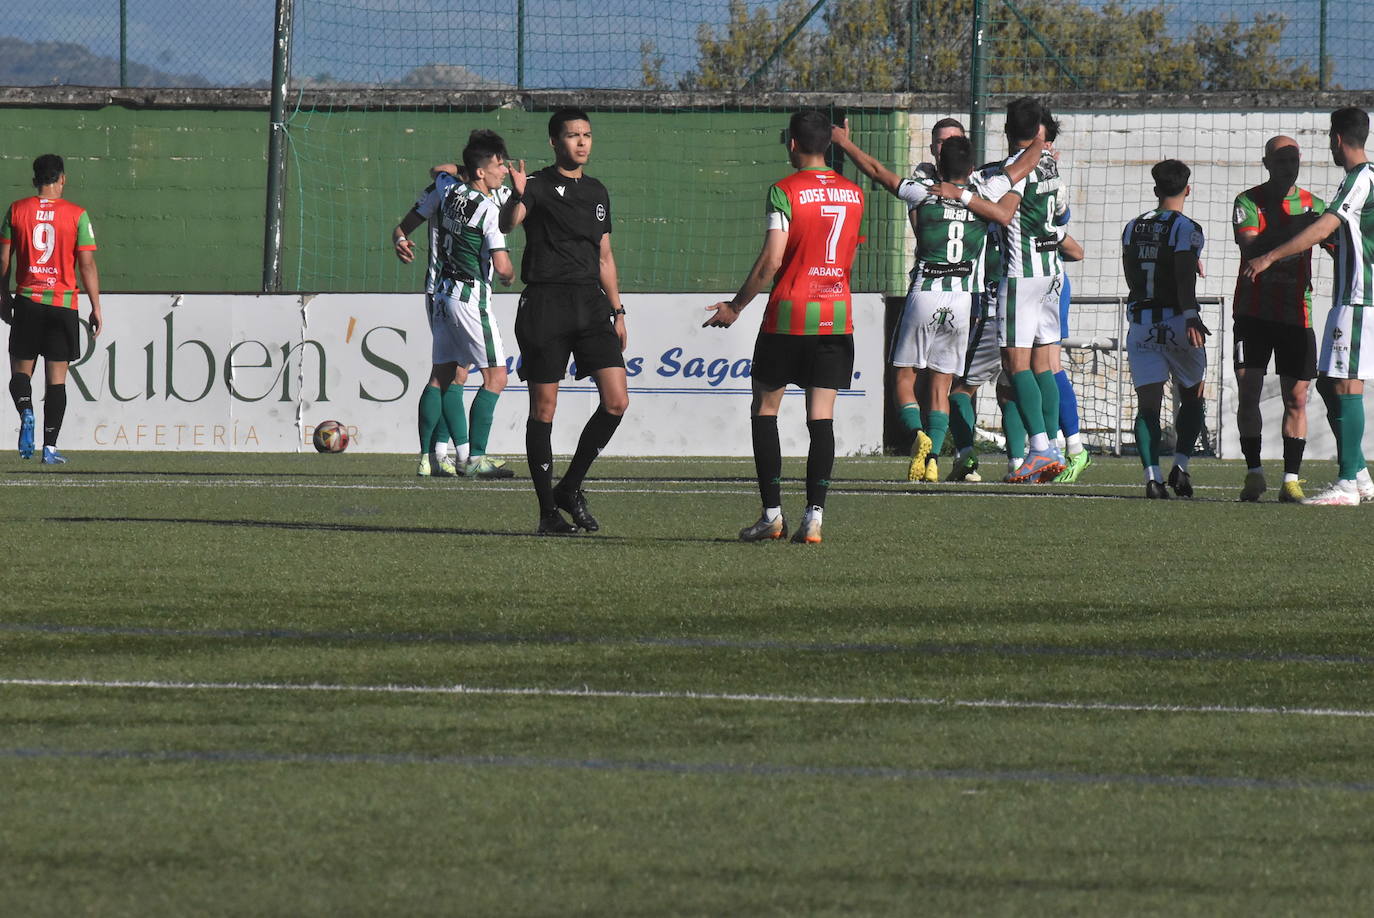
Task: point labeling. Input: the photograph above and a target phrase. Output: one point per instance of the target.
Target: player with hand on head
(466, 248)
(1342, 368)
(47, 238)
(570, 308)
(967, 200)
(1161, 250)
(807, 334)
(1273, 315)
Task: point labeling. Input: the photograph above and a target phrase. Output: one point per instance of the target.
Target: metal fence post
(124, 43)
(520, 44)
(276, 150)
(977, 115)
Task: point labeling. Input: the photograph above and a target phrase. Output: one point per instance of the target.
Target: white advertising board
(257, 373)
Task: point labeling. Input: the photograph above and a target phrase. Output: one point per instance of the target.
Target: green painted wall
(687, 192)
(177, 196)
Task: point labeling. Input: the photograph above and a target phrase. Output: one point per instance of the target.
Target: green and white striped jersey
(1032, 240)
(1354, 205)
(469, 232)
(950, 239)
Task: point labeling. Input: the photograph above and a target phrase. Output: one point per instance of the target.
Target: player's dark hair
(561, 117)
(1051, 124)
(1023, 119)
(47, 169)
(956, 158)
(1171, 177)
(946, 123)
(811, 130)
(1351, 125)
(482, 146)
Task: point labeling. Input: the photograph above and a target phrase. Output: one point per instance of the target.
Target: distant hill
(60, 63)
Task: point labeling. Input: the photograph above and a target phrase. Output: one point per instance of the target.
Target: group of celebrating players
(988, 301)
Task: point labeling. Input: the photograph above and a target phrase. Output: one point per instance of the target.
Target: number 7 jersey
(46, 234)
(821, 211)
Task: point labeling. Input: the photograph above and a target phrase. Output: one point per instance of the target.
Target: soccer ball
(331, 437)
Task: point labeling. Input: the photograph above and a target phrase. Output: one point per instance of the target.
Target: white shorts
(933, 331)
(1157, 350)
(463, 326)
(983, 358)
(1348, 343)
(1028, 311)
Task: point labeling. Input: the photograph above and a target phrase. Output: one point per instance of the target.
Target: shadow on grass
(288, 525)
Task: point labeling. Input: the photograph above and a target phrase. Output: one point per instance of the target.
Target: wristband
(966, 197)
(618, 312)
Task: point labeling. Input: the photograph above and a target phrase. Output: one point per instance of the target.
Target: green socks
(1049, 402)
(1350, 435)
(483, 411)
(1189, 425)
(937, 424)
(1028, 400)
(454, 416)
(911, 417)
(1147, 440)
(431, 410)
(1014, 429)
(961, 420)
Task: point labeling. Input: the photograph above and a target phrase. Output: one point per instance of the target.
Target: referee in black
(570, 308)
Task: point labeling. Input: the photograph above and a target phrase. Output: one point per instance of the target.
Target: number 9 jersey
(45, 234)
(820, 210)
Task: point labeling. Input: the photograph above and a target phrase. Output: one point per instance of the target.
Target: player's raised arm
(765, 269)
(513, 211)
(868, 165)
(1320, 228)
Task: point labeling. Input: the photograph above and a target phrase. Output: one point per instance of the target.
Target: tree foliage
(1029, 46)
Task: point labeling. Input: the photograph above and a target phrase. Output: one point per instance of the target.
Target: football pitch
(318, 685)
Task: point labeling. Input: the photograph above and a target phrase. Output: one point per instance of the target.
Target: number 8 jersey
(821, 211)
(46, 234)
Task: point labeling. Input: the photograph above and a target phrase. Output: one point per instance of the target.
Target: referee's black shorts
(1292, 347)
(556, 322)
(50, 332)
(809, 361)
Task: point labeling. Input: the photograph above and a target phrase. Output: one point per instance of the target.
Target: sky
(568, 43)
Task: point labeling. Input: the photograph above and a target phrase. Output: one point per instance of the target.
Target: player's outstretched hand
(725, 314)
(517, 175)
(839, 133)
(405, 250)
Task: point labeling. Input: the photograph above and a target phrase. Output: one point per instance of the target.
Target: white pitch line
(896, 489)
(996, 703)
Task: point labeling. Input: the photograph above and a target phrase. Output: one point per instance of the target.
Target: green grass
(969, 700)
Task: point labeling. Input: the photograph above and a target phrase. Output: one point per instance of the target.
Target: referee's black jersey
(565, 219)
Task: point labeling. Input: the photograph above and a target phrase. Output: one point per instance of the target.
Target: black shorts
(52, 332)
(1293, 348)
(809, 361)
(556, 322)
